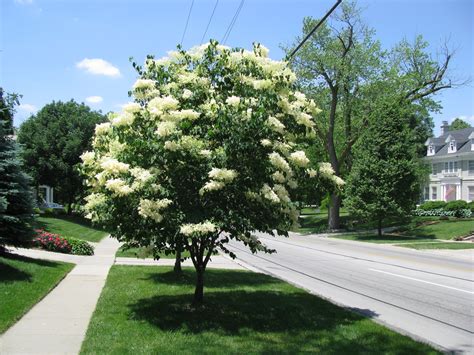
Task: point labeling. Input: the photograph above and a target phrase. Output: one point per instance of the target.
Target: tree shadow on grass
(9, 273)
(272, 321)
(213, 278)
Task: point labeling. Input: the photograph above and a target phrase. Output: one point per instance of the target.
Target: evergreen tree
(386, 175)
(16, 199)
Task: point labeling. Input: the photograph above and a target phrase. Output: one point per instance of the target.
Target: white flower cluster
(219, 178)
(304, 119)
(160, 104)
(299, 158)
(144, 84)
(142, 176)
(187, 94)
(125, 119)
(269, 194)
(102, 129)
(88, 158)
(131, 107)
(275, 124)
(144, 88)
(279, 162)
(113, 166)
(178, 115)
(233, 101)
(198, 229)
(326, 169)
(225, 175)
(166, 128)
(118, 187)
(151, 209)
(95, 200)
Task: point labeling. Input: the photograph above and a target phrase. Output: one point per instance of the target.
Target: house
(451, 157)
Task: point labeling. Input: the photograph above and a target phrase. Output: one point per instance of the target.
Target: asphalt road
(427, 296)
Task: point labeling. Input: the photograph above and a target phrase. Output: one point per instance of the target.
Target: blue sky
(58, 50)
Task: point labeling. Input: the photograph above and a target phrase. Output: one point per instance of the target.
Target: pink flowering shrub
(51, 242)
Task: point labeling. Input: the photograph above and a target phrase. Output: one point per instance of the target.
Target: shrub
(432, 205)
(80, 247)
(470, 205)
(456, 205)
(51, 242)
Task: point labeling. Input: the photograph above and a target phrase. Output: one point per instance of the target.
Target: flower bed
(52, 242)
(56, 243)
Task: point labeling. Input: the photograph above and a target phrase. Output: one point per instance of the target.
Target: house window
(452, 146)
(430, 150)
(451, 167)
(470, 193)
(471, 167)
(434, 193)
(426, 195)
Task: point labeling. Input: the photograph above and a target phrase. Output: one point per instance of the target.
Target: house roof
(461, 136)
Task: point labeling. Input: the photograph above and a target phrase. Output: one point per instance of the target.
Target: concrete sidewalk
(58, 323)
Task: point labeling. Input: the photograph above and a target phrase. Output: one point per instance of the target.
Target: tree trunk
(379, 227)
(334, 208)
(335, 205)
(199, 291)
(177, 263)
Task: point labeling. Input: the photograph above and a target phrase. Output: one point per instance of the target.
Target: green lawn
(144, 253)
(441, 229)
(441, 245)
(70, 226)
(23, 282)
(147, 310)
(317, 222)
(385, 239)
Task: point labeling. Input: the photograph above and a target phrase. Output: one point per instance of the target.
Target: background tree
(206, 154)
(386, 176)
(458, 123)
(53, 140)
(16, 199)
(344, 69)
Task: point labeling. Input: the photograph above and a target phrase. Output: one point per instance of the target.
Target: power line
(210, 19)
(232, 22)
(314, 29)
(187, 22)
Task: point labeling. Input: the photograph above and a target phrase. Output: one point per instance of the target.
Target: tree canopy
(206, 153)
(344, 68)
(53, 140)
(458, 123)
(386, 176)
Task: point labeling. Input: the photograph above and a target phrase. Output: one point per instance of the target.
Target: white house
(451, 157)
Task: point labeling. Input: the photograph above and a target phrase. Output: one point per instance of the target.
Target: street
(422, 294)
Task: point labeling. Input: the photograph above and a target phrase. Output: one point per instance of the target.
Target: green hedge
(432, 205)
(456, 205)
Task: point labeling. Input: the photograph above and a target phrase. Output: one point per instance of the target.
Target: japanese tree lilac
(202, 157)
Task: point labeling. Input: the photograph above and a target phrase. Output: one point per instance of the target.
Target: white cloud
(98, 66)
(24, 2)
(94, 99)
(28, 108)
